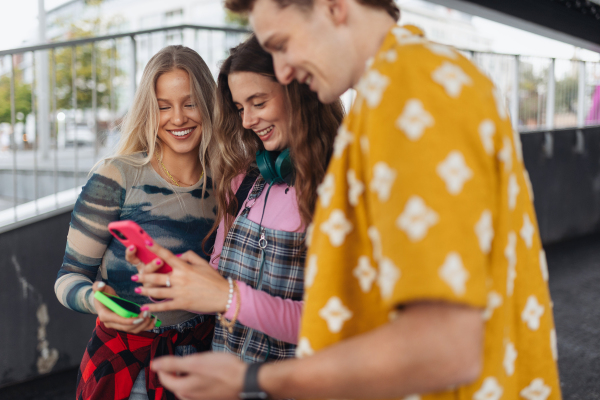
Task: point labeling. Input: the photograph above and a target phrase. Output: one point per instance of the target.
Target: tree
(105, 58)
(529, 111)
(22, 97)
(238, 19)
(566, 90)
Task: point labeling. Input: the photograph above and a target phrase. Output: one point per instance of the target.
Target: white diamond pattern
(416, 219)
(454, 172)
(452, 78)
(336, 227)
(414, 120)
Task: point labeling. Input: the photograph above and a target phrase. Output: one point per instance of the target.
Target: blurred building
(444, 25)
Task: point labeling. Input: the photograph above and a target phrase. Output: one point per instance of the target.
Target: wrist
(226, 298)
(251, 389)
(278, 379)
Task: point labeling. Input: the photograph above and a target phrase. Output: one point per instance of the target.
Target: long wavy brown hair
(313, 126)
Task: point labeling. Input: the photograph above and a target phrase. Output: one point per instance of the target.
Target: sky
(18, 22)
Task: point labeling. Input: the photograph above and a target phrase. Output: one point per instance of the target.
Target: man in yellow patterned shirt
(425, 277)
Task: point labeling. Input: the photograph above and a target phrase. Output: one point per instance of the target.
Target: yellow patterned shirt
(427, 198)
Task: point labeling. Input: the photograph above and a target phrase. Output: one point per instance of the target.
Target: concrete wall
(38, 335)
(565, 174)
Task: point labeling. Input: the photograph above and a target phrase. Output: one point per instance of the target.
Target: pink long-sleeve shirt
(273, 316)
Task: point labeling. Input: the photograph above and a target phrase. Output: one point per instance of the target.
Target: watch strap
(251, 388)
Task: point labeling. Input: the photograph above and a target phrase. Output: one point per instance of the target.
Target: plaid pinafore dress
(265, 259)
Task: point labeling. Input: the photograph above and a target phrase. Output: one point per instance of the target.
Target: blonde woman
(157, 178)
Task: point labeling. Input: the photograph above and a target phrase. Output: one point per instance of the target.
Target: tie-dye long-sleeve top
(177, 218)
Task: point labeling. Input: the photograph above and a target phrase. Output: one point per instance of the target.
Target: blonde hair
(139, 129)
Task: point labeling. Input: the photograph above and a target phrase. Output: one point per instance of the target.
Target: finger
(123, 328)
(192, 258)
(171, 365)
(100, 286)
(166, 305)
(132, 325)
(109, 317)
(152, 279)
(153, 266)
(146, 325)
(166, 256)
(171, 381)
(131, 255)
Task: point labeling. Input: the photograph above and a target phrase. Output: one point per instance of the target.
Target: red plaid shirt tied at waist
(113, 359)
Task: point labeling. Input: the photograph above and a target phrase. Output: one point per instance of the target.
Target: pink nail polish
(158, 262)
(138, 290)
(149, 243)
(131, 248)
(135, 278)
(145, 308)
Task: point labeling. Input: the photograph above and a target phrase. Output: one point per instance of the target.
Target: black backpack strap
(244, 189)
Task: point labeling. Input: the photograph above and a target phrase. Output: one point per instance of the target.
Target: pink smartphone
(129, 233)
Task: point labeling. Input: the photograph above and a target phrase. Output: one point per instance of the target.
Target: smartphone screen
(134, 308)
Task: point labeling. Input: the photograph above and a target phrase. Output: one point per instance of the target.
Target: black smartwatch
(252, 390)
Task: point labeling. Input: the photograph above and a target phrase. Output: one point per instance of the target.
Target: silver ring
(168, 284)
(138, 264)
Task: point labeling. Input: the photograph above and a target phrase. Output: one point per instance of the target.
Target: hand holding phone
(121, 307)
(129, 233)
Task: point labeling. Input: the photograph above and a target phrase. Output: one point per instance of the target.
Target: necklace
(175, 181)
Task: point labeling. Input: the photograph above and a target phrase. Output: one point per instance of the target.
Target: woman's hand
(131, 257)
(192, 285)
(114, 321)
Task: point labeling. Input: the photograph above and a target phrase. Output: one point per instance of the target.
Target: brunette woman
(276, 141)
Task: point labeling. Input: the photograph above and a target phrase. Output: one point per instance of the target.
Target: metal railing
(66, 101)
(74, 94)
(545, 93)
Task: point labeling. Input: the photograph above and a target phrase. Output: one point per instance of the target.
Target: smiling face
(180, 123)
(261, 104)
(312, 46)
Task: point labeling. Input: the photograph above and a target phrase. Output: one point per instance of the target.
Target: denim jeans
(138, 391)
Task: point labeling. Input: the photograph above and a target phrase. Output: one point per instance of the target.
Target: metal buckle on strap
(262, 242)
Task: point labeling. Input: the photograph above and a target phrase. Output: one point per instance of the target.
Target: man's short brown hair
(242, 6)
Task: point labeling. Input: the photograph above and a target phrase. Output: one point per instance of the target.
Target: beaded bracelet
(238, 302)
(230, 297)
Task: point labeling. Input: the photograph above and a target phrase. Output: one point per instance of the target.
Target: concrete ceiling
(572, 21)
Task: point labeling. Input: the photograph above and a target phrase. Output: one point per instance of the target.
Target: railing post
(95, 102)
(581, 96)
(133, 61)
(514, 101)
(13, 138)
(111, 85)
(551, 95)
(74, 105)
(43, 126)
(36, 194)
(55, 128)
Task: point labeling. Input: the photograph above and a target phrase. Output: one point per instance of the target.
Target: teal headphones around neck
(275, 167)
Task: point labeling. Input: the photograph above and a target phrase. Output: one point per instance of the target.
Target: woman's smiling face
(180, 123)
(261, 103)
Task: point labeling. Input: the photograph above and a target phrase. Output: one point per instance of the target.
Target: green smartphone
(121, 307)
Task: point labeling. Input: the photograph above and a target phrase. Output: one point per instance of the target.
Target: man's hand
(215, 376)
